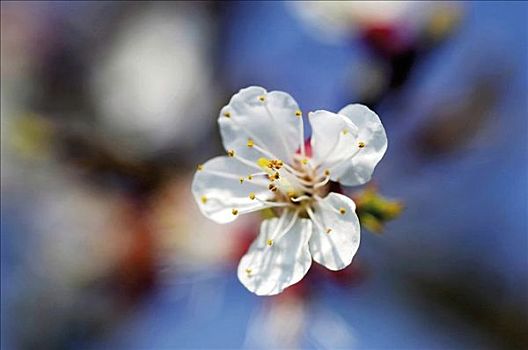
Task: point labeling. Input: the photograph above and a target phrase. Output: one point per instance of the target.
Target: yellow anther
(262, 98)
(304, 161)
(263, 163)
(276, 176)
(250, 143)
(241, 180)
(252, 195)
(328, 230)
(199, 167)
(231, 153)
(269, 242)
(345, 131)
(250, 177)
(327, 172)
(277, 164)
(291, 194)
(203, 199)
(298, 113)
(227, 114)
(361, 144)
(248, 272)
(342, 211)
(234, 211)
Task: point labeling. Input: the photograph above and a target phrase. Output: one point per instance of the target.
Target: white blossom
(267, 166)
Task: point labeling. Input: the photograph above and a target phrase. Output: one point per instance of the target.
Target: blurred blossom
(153, 86)
(405, 21)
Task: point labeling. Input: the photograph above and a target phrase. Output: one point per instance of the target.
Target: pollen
(199, 167)
(241, 180)
(252, 195)
(328, 230)
(231, 153)
(263, 162)
(203, 199)
(345, 131)
(250, 177)
(327, 172)
(250, 143)
(227, 114)
(269, 242)
(342, 211)
(298, 113)
(248, 272)
(361, 144)
(262, 98)
(291, 194)
(234, 211)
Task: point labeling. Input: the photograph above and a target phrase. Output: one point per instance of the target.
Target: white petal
(271, 124)
(335, 237)
(370, 131)
(217, 189)
(268, 270)
(334, 138)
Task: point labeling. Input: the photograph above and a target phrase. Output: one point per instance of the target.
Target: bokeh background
(107, 107)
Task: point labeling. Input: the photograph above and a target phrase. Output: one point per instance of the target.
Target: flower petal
(336, 232)
(219, 192)
(333, 138)
(372, 134)
(267, 120)
(269, 269)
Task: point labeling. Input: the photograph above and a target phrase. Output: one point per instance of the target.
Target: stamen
(203, 199)
(279, 231)
(231, 153)
(262, 98)
(335, 166)
(234, 211)
(241, 180)
(361, 144)
(301, 133)
(345, 132)
(314, 219)
(250, 143)
(278, 128)
(199, 167)
(232, 176)
(252, 195)
(247, 162)
(320, 201)
(322, 183)
(248, 272)
(328, 230)
(300, 198)
(227, 114)
(270, 204)
(269, 242)
(250, 176)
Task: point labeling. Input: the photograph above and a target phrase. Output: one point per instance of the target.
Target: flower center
(297, 185)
